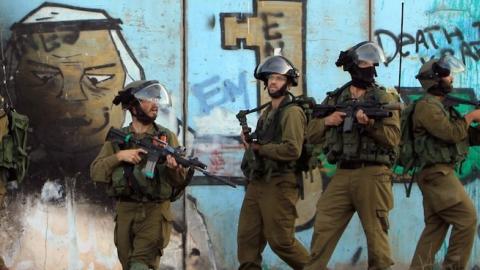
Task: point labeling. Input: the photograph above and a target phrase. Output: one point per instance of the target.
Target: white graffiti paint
(219, 121)
(52, 191)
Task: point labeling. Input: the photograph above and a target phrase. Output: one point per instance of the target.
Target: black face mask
(142, 117)
(362, 77)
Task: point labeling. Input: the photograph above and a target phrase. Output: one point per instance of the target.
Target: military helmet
(150, 90)
(276, 64)
(365, 51)
(432, 71)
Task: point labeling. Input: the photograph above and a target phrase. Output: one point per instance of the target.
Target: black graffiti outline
(242, 42)
(426, 37)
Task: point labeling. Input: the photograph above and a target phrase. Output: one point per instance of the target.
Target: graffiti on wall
(66, 64)
(212, 92)
(273, 24)
(439, 38)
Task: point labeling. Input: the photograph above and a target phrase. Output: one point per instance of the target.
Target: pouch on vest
(13, 148)
(119, 186)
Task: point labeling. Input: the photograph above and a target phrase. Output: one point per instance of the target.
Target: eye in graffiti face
(66, 87)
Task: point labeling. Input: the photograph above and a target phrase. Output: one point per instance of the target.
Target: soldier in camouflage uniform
(3, 132)
(268, 211)
(143, 218)
(3, 179)
(441, 138)
(363, 156)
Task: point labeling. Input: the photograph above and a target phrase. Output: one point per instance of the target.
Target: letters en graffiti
(212, 92)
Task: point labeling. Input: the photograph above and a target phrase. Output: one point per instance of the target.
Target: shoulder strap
(335, 94)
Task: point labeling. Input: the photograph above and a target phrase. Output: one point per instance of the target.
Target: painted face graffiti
(67, 91)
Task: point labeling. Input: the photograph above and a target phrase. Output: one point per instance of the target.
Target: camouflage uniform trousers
(3, 193)
(268, 216)
(445, 203)
(142, 231)
(367, 191)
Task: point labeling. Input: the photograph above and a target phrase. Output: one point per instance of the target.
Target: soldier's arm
(3, 124)
(176, 177)
(293, 124)
(316, 130)
(102, 167)
(433, 119)
(387, 130)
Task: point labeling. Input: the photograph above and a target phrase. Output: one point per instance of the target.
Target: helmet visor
(155, 93)
(448, 62)
(273, 64)
(369, 53)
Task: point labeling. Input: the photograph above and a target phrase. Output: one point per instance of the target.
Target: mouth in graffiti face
(74, 122)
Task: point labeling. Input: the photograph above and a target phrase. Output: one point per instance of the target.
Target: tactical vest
(431, 150)
(268, 130)
(129, 181)
(13, 147)
(355, 146)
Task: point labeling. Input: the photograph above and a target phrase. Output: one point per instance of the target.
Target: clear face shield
(273, 65)
(155, 93)
(368, 54)
(448, 64)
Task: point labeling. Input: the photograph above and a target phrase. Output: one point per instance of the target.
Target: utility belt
(353, 165)
(132, 200)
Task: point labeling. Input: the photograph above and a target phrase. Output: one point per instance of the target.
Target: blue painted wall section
(205, 53)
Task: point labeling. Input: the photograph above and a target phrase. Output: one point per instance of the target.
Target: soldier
(268, 211)
(3, 133)
(442, 137)
(3, 178)
(13, 151)
(363, 156)
(143, 218)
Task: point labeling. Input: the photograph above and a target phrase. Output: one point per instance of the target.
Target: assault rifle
(242, 118)
(157, 151)
(374, 110)
(305, 102)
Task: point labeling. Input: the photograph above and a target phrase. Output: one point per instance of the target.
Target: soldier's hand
(473, 116)
(243, 140)
(255, 146)
(362, 118)
(335, 119)
(171, 162)
(131, 155)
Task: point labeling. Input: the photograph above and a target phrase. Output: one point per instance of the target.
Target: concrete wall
(70, 57)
